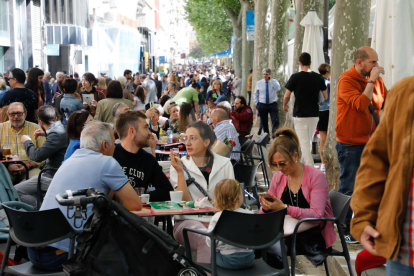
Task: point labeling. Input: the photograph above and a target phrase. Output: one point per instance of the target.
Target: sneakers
(323, 168)
(350, 239)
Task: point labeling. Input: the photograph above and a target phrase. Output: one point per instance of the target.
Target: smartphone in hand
(267, 196)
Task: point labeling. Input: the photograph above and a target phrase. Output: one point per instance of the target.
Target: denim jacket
(324, 106)
(68, 105)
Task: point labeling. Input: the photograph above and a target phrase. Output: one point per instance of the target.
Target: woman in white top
(207, 169)
(139, 99)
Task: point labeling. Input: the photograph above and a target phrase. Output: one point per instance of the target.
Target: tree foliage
(211, 23)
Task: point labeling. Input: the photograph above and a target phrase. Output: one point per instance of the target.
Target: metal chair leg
(326, 267)
(6, 256)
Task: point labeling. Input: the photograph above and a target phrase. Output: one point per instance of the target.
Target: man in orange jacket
(357, 88)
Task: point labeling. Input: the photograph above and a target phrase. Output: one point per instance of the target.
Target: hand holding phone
(267, 197)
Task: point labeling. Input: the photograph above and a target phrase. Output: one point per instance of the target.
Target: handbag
(190, 180)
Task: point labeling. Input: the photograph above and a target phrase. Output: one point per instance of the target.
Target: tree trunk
(237, 51)
(278, 56)
(261, 41)
(302, 8)
(350, 32)
(247, 48)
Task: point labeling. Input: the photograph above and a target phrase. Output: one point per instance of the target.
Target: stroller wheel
(188, 271)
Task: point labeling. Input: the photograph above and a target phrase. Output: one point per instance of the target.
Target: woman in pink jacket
(303, 190)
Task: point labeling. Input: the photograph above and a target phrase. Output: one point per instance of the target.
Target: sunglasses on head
(280, 164)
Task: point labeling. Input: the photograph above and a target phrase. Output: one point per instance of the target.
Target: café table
(168, 215)
(16, 161)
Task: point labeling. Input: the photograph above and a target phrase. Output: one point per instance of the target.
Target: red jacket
(245, 118)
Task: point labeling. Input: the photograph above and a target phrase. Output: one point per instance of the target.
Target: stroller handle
(67, 198)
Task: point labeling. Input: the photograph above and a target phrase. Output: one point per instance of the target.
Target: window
(47, 12)
(54, 11)
(62, 16)
(4, 19)
(70, 12)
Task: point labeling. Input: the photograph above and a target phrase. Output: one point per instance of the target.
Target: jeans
(349, 157)
(395, 268)
(48, 260)
(27, 190)
(264, 110)
(249, 93)
(305, 129)
(237, 260)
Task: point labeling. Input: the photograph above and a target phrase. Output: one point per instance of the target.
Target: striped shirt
(406, 253)
(12, 138)
(225, 129)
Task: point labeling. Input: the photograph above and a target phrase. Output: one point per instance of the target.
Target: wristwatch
(371, 81)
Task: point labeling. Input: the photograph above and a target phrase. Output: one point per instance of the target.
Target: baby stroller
(115, 241)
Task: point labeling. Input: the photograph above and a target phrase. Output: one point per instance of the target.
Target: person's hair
(164, 99)
(47, 74)
(359, 54)
(222, 114)
(195, 85)
(286, 142)
(2, 84)
(226, 105)
(18, 103)
(70, 86)
(211, 99)
(187, 116)
(267, 70)
(126, 72)
(61, 80)
(205, 132)
(122, 80)
(94, 134)
(218, 82)
(114, 90)
(203, 80)
(76, 123)
(324, 68)
(143, 76)
(242, 100)
(251, 71)
(140, 94)
(76, 75)
(80, 87)
(191, 76)
(226, 194)
(33, 82)
(101, 83)
(19, 75)
(305, 59)
(172, 78)
(116, 108)
(168, 105)
(89, 77)
(126, 120)
(173, 84)
(47, 114)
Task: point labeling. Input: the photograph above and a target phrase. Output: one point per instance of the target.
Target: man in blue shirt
(265, 99)
(90, 166)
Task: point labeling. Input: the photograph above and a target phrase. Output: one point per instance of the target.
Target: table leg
(170, 226)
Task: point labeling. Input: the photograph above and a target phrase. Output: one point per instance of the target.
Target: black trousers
(264, 111)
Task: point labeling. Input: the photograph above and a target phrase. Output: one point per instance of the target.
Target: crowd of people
(102, 133)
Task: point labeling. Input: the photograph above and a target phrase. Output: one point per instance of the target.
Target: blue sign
(53, 50)
(162, 58)
(250, 25)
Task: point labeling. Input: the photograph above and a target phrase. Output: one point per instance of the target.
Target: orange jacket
(354, 121)
(382, 184)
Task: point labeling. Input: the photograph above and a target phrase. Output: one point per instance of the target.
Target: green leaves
(211, 23)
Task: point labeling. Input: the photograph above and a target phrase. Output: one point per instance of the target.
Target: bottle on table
(170, 136)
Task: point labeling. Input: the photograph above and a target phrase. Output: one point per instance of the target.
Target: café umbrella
(312, 40)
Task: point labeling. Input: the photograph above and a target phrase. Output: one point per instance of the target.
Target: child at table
(228, 196)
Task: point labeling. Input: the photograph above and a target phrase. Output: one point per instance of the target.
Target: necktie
(267, 92)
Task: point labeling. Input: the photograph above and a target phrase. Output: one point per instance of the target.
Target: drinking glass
(176, 151)
(6, 151)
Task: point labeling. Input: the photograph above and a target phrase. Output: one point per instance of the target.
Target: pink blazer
(315, 190)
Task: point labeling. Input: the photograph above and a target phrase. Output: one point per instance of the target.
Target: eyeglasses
(188, 139)
(280, 164)
(18, 114)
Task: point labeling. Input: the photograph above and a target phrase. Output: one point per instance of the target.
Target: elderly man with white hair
(55, 87)
(91, 166)
(224, 128)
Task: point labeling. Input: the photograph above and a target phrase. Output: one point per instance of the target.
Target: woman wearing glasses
(303, 190)
(207, 169)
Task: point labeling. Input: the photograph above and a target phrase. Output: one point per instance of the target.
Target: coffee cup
(145, 198)
(176, 196)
